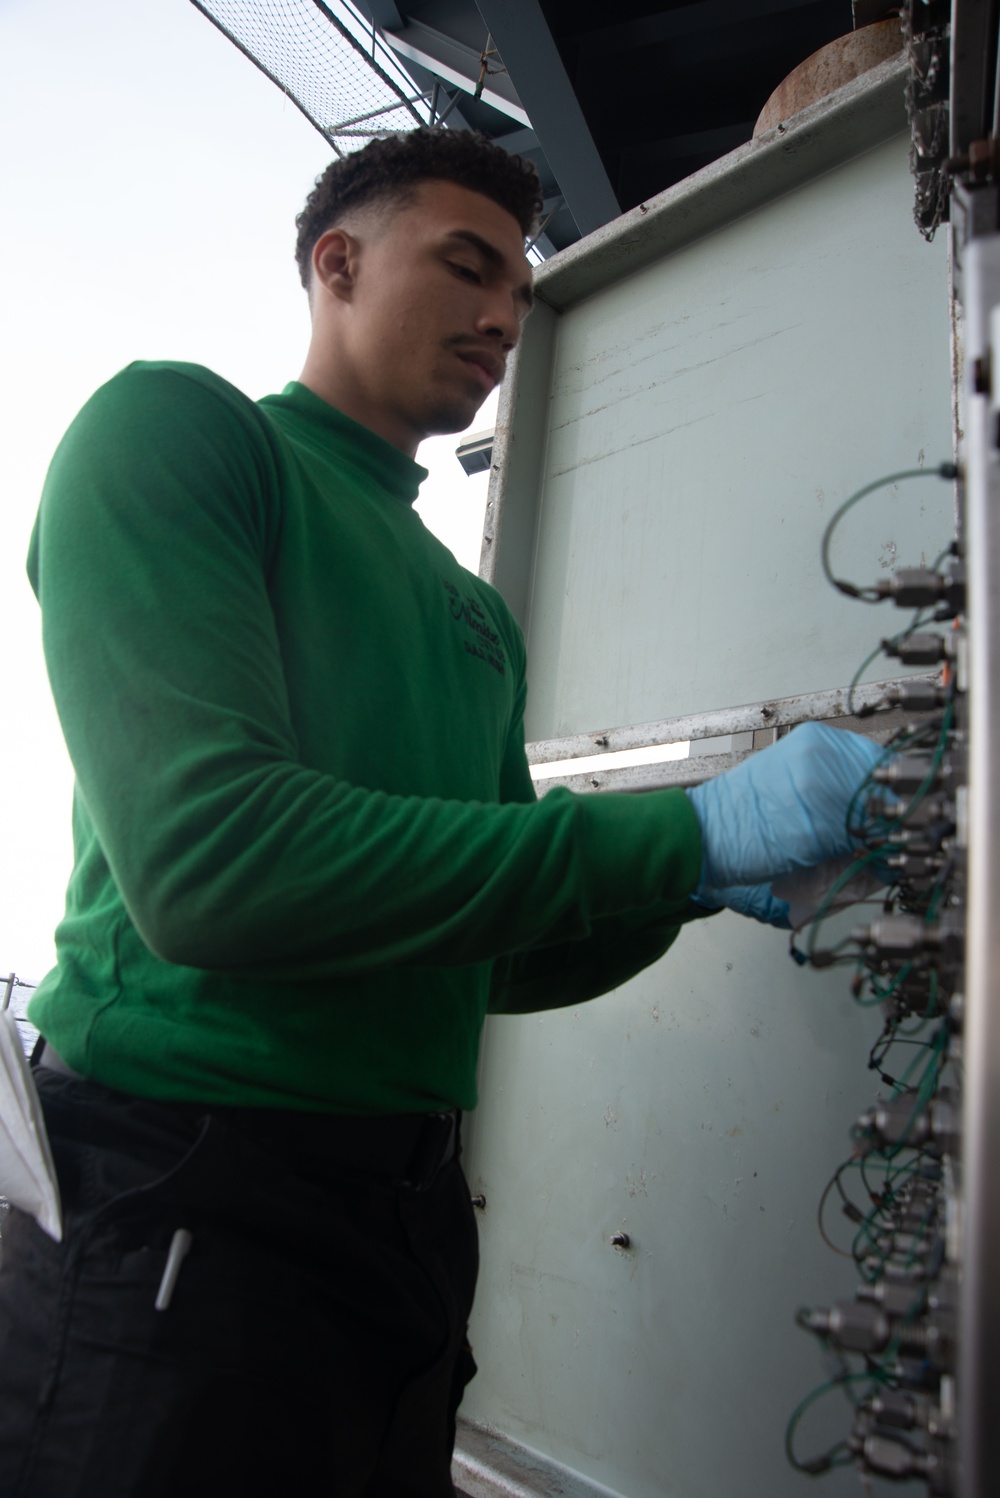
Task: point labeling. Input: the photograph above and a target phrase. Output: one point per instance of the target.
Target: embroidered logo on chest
(479, 639)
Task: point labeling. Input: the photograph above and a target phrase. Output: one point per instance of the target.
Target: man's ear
(335, 263)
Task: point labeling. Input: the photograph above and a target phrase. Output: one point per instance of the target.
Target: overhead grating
(329, 61)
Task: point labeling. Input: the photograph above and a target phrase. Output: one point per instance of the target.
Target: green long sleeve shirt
(308, 853)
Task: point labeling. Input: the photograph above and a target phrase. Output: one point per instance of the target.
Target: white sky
(151, 177)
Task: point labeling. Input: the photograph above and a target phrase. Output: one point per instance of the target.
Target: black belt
(408, 1149)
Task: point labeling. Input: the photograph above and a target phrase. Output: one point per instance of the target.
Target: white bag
(27, 1173)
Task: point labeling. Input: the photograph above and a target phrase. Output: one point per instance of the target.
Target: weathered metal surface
(656, 777)
(834, 65)
(778, 713)
(488, 1465)
(509, 529)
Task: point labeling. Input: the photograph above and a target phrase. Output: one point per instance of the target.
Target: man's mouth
(487, 369)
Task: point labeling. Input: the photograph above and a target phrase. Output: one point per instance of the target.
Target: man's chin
(451, 419)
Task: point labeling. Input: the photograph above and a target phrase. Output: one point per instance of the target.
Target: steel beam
(382, 12)
(522, 38)
(455, 63)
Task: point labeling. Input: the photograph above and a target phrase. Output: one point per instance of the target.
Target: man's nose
(501, 319)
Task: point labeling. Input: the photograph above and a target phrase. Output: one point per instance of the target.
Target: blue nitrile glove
(756, 900)
(793, 900)
(782, 809)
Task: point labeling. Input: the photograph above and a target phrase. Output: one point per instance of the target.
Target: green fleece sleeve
(554, 977)
(229, 853)
(615, 949)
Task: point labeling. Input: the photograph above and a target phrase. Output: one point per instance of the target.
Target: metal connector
(898, 936)
(923, 588)
(908, 772)
(917, 696)
(918, 650)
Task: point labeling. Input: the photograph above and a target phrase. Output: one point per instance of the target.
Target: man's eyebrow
(492, 255)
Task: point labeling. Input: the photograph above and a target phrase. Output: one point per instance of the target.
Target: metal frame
(762, 720)
(780, 712)
(488, 1465)
(979, 1370)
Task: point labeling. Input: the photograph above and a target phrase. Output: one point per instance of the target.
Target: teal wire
(867, 1376)
(839, 583)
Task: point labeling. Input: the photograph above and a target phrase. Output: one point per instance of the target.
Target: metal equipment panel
(705, 416)
(672, 444)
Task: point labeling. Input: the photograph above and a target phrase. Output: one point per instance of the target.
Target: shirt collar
(378, 459)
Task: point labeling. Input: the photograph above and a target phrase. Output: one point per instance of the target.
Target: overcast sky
(151, 179)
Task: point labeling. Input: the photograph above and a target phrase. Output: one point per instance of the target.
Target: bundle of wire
(909, 1055)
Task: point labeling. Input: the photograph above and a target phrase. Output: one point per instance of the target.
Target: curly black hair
(390, 169)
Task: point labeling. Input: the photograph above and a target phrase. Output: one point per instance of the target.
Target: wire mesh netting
(329, 61)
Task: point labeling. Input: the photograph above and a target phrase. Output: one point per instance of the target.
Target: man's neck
(346, 397)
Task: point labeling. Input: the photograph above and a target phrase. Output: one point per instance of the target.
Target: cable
(920, 618)
(903, 739)
(892, 748)
(827, 1459)
(834, 1181)
(871, 855)
(823, 909)
(906, 818)
(876, 1063)
(868, 595)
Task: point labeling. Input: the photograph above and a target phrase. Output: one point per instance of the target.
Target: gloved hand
(793, 900)
(756, 900)
(782, 809)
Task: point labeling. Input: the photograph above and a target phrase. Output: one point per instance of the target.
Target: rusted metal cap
(829, 69)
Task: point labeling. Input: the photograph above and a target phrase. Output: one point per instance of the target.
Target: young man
(308, 857)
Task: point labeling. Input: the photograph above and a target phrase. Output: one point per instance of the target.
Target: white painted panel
(701, 1111)
(705, 417)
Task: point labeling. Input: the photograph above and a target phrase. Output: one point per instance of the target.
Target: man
(308, 856)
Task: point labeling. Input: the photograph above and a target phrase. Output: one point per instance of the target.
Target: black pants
(315, 1343)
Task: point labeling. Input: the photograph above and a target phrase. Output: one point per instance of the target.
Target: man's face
(436, 301)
